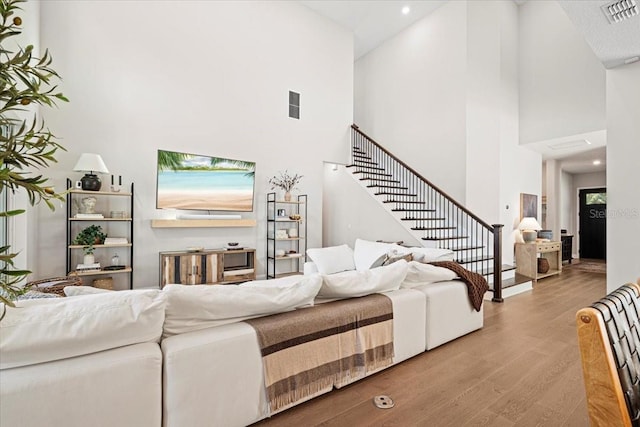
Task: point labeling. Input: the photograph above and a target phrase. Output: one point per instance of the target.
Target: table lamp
(89, 162)
(529, 227)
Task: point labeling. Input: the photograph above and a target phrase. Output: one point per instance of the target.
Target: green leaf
(12, 213)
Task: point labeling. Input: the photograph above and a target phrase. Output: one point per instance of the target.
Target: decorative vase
(89, 259)
(287, 196)
(543, 265)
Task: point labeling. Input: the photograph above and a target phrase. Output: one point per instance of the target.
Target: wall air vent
(620, 10)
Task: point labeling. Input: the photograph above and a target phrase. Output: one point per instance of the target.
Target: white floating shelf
(201, 223)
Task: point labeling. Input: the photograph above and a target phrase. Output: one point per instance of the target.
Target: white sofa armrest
(310, 268)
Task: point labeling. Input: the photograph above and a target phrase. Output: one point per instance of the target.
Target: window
(596, 199)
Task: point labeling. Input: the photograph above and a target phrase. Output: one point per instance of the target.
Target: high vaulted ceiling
(373, 22)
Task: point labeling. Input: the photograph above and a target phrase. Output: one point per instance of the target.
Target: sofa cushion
(195, 307)
(43, 330)
(419, 274)
(360, 283)
(333, 259)
(74, 291)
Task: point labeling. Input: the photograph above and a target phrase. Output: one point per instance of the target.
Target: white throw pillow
(419, 274)
(432, 254)
(194, 307)
(333, 259)
(43, 330)
(360, 283)
(367, 254)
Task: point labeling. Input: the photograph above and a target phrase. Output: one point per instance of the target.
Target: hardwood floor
(521, 369)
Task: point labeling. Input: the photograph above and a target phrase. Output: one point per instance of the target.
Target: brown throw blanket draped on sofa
(309, 351)
(477, 285)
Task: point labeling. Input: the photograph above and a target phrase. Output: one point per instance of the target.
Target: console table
(527, 258)
(208, 266)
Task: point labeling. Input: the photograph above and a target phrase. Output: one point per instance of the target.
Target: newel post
(497, 263)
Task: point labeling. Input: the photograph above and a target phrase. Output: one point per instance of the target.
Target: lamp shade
(529, 223)
(90, 162)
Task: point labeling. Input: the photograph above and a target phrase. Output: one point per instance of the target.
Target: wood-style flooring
(522, 369)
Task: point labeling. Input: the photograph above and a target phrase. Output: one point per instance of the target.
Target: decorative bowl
(295, 217)
(232, 243)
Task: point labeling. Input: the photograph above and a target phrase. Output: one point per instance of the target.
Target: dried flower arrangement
(285, 181)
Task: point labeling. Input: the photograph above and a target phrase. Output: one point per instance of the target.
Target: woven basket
(103, 283)
(55, 285)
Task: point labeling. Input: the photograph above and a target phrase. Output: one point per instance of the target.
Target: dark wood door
(593, 223)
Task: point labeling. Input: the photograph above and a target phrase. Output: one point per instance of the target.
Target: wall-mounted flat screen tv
(191, 181)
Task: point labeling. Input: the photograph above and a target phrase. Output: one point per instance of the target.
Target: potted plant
(286, 182)
(92, 235)
(27, 145)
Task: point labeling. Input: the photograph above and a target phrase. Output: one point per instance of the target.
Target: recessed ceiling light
(596, 162)
(406, 10)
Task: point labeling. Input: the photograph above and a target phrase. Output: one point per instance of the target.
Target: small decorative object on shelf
(103, 283)
(91, 235)
(543, 265)
(88, 205)
(285, 182)
(116, 187)
(286, 235)
(115, 260)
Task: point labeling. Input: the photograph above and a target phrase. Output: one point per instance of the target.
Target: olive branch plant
(27, 144)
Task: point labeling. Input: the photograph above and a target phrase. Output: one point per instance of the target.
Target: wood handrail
(448, 197)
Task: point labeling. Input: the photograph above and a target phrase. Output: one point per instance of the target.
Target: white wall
(204, 77)
(410, 96)
(350, 213)
(566, 202)
(562, 89)
(623, 197)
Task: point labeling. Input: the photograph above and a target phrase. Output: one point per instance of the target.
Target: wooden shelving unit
(284, 265)
(107, 201)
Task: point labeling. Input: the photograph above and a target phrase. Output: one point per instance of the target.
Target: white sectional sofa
(205, 372)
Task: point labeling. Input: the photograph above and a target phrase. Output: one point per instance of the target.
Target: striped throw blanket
(309, 351)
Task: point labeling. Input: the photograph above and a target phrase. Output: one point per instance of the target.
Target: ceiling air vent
(569, 144)
(620, 10)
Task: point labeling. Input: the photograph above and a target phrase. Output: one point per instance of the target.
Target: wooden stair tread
(395, 181)
(391, 193)
(414, 202)
(445, 238)
(412, 210)
(433, 228)
(393, 187)
(375, 168)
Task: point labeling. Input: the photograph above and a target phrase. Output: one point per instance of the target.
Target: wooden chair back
(609, 338)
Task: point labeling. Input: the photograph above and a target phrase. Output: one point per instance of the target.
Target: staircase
(436, 219)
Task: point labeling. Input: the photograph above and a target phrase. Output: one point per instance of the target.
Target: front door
(593, 223)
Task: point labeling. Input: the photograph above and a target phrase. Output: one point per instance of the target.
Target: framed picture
(528, 206)
(282, 212)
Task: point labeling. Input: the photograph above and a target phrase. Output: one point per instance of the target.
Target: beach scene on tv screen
(189, 181)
